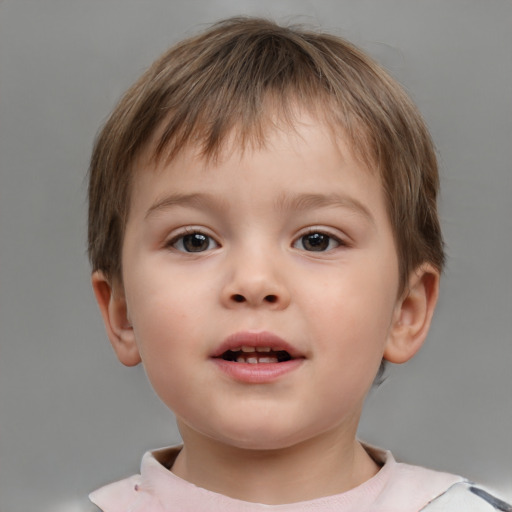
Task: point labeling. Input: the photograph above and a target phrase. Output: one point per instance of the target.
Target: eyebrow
(196, 199)
(286, 201)
(309, 201)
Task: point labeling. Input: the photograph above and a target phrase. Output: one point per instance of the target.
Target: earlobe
(113, 307)
(413, 315)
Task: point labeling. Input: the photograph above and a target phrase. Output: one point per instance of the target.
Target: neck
(324, 466)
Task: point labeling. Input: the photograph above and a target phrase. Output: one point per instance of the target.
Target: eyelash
(322, 242)
(328, 238)
(181, 239)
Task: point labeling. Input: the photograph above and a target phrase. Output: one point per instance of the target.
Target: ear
(112, 303)
(413, 315)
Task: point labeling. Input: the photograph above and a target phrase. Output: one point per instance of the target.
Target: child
(263, 234)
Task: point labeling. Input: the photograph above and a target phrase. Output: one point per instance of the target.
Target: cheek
(156, 292)
(159, 317)
(354, 313)
(168, 342)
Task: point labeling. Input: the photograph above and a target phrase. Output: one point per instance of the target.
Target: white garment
(396, 487)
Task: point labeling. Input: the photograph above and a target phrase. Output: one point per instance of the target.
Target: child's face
(287, 247)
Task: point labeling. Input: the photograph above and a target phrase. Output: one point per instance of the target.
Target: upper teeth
(252, 349)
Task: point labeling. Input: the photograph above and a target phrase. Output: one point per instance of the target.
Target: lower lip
(259, 373)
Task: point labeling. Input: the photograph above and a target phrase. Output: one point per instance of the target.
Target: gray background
(71, 417)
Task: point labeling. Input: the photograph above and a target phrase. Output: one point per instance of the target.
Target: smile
(256, 355)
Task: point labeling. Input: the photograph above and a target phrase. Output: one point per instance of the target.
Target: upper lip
(256, 339)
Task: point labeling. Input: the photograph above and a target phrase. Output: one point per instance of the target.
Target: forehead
(277, 116)
(307, 159)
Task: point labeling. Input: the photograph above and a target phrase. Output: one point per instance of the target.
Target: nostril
(269, 299)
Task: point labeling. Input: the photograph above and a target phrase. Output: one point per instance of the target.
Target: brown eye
(317, 242)
(194, 242)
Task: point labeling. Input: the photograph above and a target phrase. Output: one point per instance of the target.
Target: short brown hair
(221, 82)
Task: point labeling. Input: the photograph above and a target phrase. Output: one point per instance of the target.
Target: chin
(262, 438)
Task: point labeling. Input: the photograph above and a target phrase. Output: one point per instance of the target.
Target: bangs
(230, 87)
(244, 85)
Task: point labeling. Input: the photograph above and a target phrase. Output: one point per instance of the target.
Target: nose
(255, 281)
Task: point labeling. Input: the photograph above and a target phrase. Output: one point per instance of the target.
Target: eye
(193, 242)
(317, 242)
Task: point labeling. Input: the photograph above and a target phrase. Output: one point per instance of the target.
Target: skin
(292, 438)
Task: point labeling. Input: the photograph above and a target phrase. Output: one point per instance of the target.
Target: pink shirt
(396, 487)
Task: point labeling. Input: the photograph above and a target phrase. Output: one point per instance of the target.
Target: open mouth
(255, 355)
